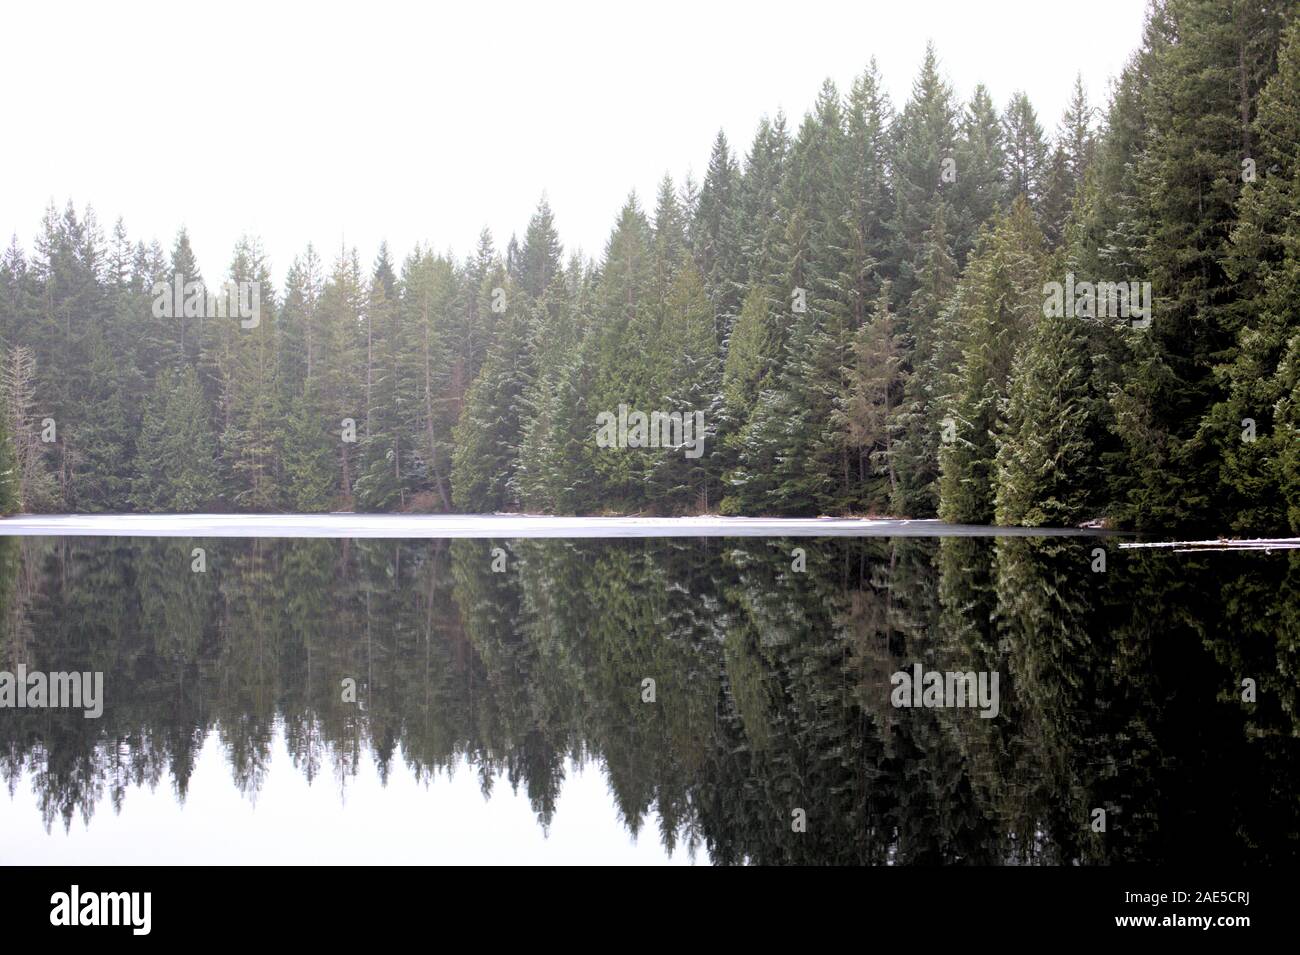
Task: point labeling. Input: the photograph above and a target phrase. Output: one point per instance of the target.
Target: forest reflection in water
(1119, 689)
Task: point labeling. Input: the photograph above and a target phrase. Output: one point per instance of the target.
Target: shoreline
(434, 526)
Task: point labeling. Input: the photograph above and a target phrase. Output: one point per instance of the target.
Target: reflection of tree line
(1119, 690)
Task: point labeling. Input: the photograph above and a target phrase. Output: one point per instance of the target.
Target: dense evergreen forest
(856, 306)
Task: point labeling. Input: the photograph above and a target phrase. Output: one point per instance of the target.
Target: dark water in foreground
(502, 714)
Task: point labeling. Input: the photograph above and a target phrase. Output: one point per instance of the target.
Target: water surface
(501, 706)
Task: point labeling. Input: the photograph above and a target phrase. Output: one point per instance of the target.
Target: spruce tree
(930, 361)
(339, 381)
(251, 435)
(870, 409)
(310, 442)
(431, 402)
(999, 303)
(715, 238)
(387, 445)
(1207, 67)
(1026, 150)
(686, 479)
(490, 431)
(541, 257)
(1046, 472)
(1255, 424)
(623, 349)
(980, 171)
(925, 134)
(176, 453)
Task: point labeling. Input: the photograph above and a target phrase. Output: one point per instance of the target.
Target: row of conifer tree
(856, 305)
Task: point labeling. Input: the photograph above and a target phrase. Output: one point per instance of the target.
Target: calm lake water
(504, 709)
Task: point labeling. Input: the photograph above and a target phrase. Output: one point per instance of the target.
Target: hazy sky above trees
(324, 123)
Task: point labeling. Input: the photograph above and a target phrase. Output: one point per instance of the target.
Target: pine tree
(542, 254)
(559, 450)
(757, 336)
(980, 170)
(686, 479)
(1075, 133)
(68, 294)
(251, 437)
(714, 233)
(790, 456)
(931, 361)
(106, 435)
(339, 384)
(1067, 166)
(183, 335)
(310, 442)
(1026, 150)
(925, 134)
(623, 346)
(544, 473)
(1208, 64)
(1255, 424)
(756, 344)
(176, 452)
(474, 324)
(489, 434)
(1046, 472)
(430, 294)
(861, 181)
(760, 211)
(1057, 201)
(1000, 300)
(387, 444)
(870, 408)
(19, 381)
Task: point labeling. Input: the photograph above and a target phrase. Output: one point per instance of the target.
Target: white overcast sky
(351, 123)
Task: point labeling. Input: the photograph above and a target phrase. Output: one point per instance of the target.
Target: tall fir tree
(176, 453)
(924, 134)
(1255, 425)
(1046, 471)
(870, 408)
(1209, 61)
(998, 305)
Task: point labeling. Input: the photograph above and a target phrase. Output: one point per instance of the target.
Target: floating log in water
(1266, 544)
